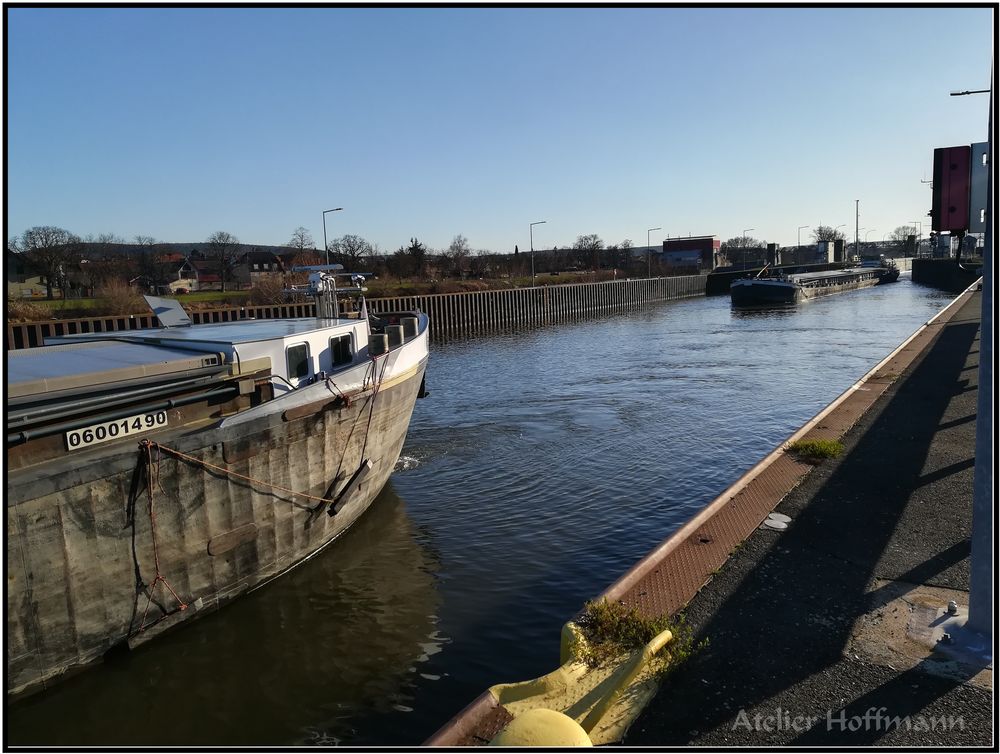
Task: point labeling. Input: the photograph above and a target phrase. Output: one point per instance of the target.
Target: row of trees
(65, 260)
(459, 259)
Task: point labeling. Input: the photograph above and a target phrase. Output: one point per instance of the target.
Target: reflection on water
(301, 660)
(543, 464)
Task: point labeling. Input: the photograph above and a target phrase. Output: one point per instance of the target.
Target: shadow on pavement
(779, 614)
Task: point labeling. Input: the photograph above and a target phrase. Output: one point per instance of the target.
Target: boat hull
(762, 293)
(890, 275)
(92, 564)
(799, 287)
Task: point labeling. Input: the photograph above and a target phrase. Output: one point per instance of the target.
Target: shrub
(268, 290)
(118, 297)
(19, 310)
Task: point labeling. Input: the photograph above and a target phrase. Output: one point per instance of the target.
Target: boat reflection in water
(299, 661)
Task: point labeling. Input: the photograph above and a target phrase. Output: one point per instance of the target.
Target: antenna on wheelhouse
(322, 286)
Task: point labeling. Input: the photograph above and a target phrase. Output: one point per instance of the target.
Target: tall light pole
(857, 220)
(326, 246)
(981, 574)
(798, 240)
(919, 227)
(745, 246)
(649, 253)
(531, 245)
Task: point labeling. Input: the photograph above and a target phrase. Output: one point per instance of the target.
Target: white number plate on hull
(129, 425)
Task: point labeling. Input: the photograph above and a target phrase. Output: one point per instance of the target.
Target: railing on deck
(449, 313)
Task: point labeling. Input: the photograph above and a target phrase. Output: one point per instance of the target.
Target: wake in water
(406, 463)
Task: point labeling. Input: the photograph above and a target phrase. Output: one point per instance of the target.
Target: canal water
(540, 468)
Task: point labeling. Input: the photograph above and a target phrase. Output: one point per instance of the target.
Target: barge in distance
(153, 475)
(778, 289)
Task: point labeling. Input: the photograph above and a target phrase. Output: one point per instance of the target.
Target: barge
(153, 475)
(781, 289)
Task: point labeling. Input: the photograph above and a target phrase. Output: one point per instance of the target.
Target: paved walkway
(810, 628)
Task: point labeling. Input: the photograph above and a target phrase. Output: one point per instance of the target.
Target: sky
(432, 122)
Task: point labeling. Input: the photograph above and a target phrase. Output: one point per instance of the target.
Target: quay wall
(450, 313)
(946, 274)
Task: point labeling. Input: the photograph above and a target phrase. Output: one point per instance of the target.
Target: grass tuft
(611, 630)
(814, 451)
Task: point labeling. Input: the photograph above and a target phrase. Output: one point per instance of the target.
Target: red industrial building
(697, 253)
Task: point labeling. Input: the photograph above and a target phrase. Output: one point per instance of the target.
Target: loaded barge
(156, 474)
(776, 289)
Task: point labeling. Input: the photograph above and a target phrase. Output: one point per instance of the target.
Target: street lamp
(745, 246)
(979, 622)
(531, 242)
(649, 253)
(326, 247)
(919, 227)
(799, 238)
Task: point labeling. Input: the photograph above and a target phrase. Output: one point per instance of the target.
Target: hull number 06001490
(128, 425)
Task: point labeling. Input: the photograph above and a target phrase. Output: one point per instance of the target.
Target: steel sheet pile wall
(478, 311)
(450, 313)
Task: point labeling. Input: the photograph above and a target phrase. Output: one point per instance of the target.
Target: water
(540, 468)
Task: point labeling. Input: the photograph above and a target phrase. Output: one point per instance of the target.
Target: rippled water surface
(540, 468)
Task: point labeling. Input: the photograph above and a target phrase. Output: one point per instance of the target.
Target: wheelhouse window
(342, 349)
(298, 361)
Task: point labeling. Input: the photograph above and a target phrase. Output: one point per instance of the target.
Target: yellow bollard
(542, 727)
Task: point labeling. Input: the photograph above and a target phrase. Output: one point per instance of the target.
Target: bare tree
(826, 233)
(224, 248)
(301, 239)
(902, 233)
(456, 258)
(591, 246)
(742, 242)
(352, 251)
(51, 252)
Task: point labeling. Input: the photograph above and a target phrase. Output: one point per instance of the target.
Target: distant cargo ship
(790, 289)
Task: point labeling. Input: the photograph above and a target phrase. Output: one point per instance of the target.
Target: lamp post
(649, 253)
(919, 227)
(798, 240)
(745, 246)
(326, 246)
(531, 243)
(977, 635)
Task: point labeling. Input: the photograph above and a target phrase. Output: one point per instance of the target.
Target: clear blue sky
(175, 122)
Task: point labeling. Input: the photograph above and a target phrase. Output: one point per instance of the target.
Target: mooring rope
(153, 478)
(230, 472)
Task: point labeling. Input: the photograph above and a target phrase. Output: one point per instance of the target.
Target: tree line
(65, 261)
